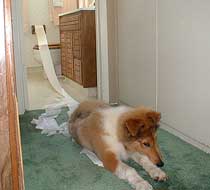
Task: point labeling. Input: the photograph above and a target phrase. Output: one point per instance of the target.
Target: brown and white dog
(116, 134)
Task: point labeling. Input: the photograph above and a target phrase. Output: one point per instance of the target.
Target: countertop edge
(77, 10)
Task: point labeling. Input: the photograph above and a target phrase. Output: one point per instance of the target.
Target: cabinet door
(77, 71)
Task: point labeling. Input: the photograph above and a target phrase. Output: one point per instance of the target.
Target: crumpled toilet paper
(48, 125)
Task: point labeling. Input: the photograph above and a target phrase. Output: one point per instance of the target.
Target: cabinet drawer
(69, 55)
(77, 53)
(70, 68)
(75, 25)
(77, 38)
(70, 61)
(69, 51)
(69, 18)
(63, 54)
(63, 69)
(70, 73)
(77, 45)
(77, 71)
(78, 78)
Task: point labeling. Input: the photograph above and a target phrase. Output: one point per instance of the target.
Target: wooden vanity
(78, 47)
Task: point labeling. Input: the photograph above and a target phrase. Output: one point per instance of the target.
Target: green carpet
(55, 163)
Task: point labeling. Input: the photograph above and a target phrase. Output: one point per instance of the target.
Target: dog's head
(139, 133)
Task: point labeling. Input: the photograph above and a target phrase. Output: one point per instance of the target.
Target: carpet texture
(55, 163)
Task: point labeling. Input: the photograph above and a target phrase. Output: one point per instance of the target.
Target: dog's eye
(146, 144)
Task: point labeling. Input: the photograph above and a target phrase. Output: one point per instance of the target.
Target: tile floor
(41, 93)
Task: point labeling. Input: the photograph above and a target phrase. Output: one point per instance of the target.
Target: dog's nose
(160, 164)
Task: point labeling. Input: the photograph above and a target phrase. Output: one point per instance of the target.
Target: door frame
(21, 74)
(107, 50)
(11, 166)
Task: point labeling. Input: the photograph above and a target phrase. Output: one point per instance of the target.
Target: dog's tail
(86, 108)
(82, 112)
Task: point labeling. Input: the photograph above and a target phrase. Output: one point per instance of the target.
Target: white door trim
(21, 83)
(107, 53)
(102, 50)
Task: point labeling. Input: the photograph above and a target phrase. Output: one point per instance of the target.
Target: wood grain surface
(11, 170)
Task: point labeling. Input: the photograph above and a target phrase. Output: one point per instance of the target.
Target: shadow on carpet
(55, 163)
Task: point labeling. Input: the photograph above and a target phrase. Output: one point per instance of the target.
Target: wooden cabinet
(78, 47)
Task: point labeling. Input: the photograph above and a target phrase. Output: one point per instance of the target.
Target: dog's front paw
(158, 175)
(143, 185)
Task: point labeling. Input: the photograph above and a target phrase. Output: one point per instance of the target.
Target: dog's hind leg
(156, 173)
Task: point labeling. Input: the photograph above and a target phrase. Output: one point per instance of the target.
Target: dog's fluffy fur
(116, 134)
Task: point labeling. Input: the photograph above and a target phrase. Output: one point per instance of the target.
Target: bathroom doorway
(72, 74)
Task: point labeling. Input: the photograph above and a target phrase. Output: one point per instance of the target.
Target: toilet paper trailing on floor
(47, 60)
(47, 121)
(48, 63)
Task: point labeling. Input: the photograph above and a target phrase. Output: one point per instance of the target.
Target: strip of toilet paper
(47, 121)
(47, 61)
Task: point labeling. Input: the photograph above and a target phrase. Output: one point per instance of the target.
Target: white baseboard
(186, 138)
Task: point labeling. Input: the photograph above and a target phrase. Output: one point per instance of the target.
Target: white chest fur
(110, 126)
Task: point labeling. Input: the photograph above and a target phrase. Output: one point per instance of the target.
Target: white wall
(184, 66)
(136, 51)
(112, 51)
(38, 14)
(106, 38)
(182, 61)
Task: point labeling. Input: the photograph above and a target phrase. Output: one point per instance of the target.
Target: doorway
(78, 80)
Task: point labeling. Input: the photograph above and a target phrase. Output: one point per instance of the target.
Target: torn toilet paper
(48, 125)
(47, 60)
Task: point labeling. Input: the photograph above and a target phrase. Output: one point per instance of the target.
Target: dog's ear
(154, 117)
(133, 126)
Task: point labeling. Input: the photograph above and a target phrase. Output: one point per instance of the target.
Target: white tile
(41, 93)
